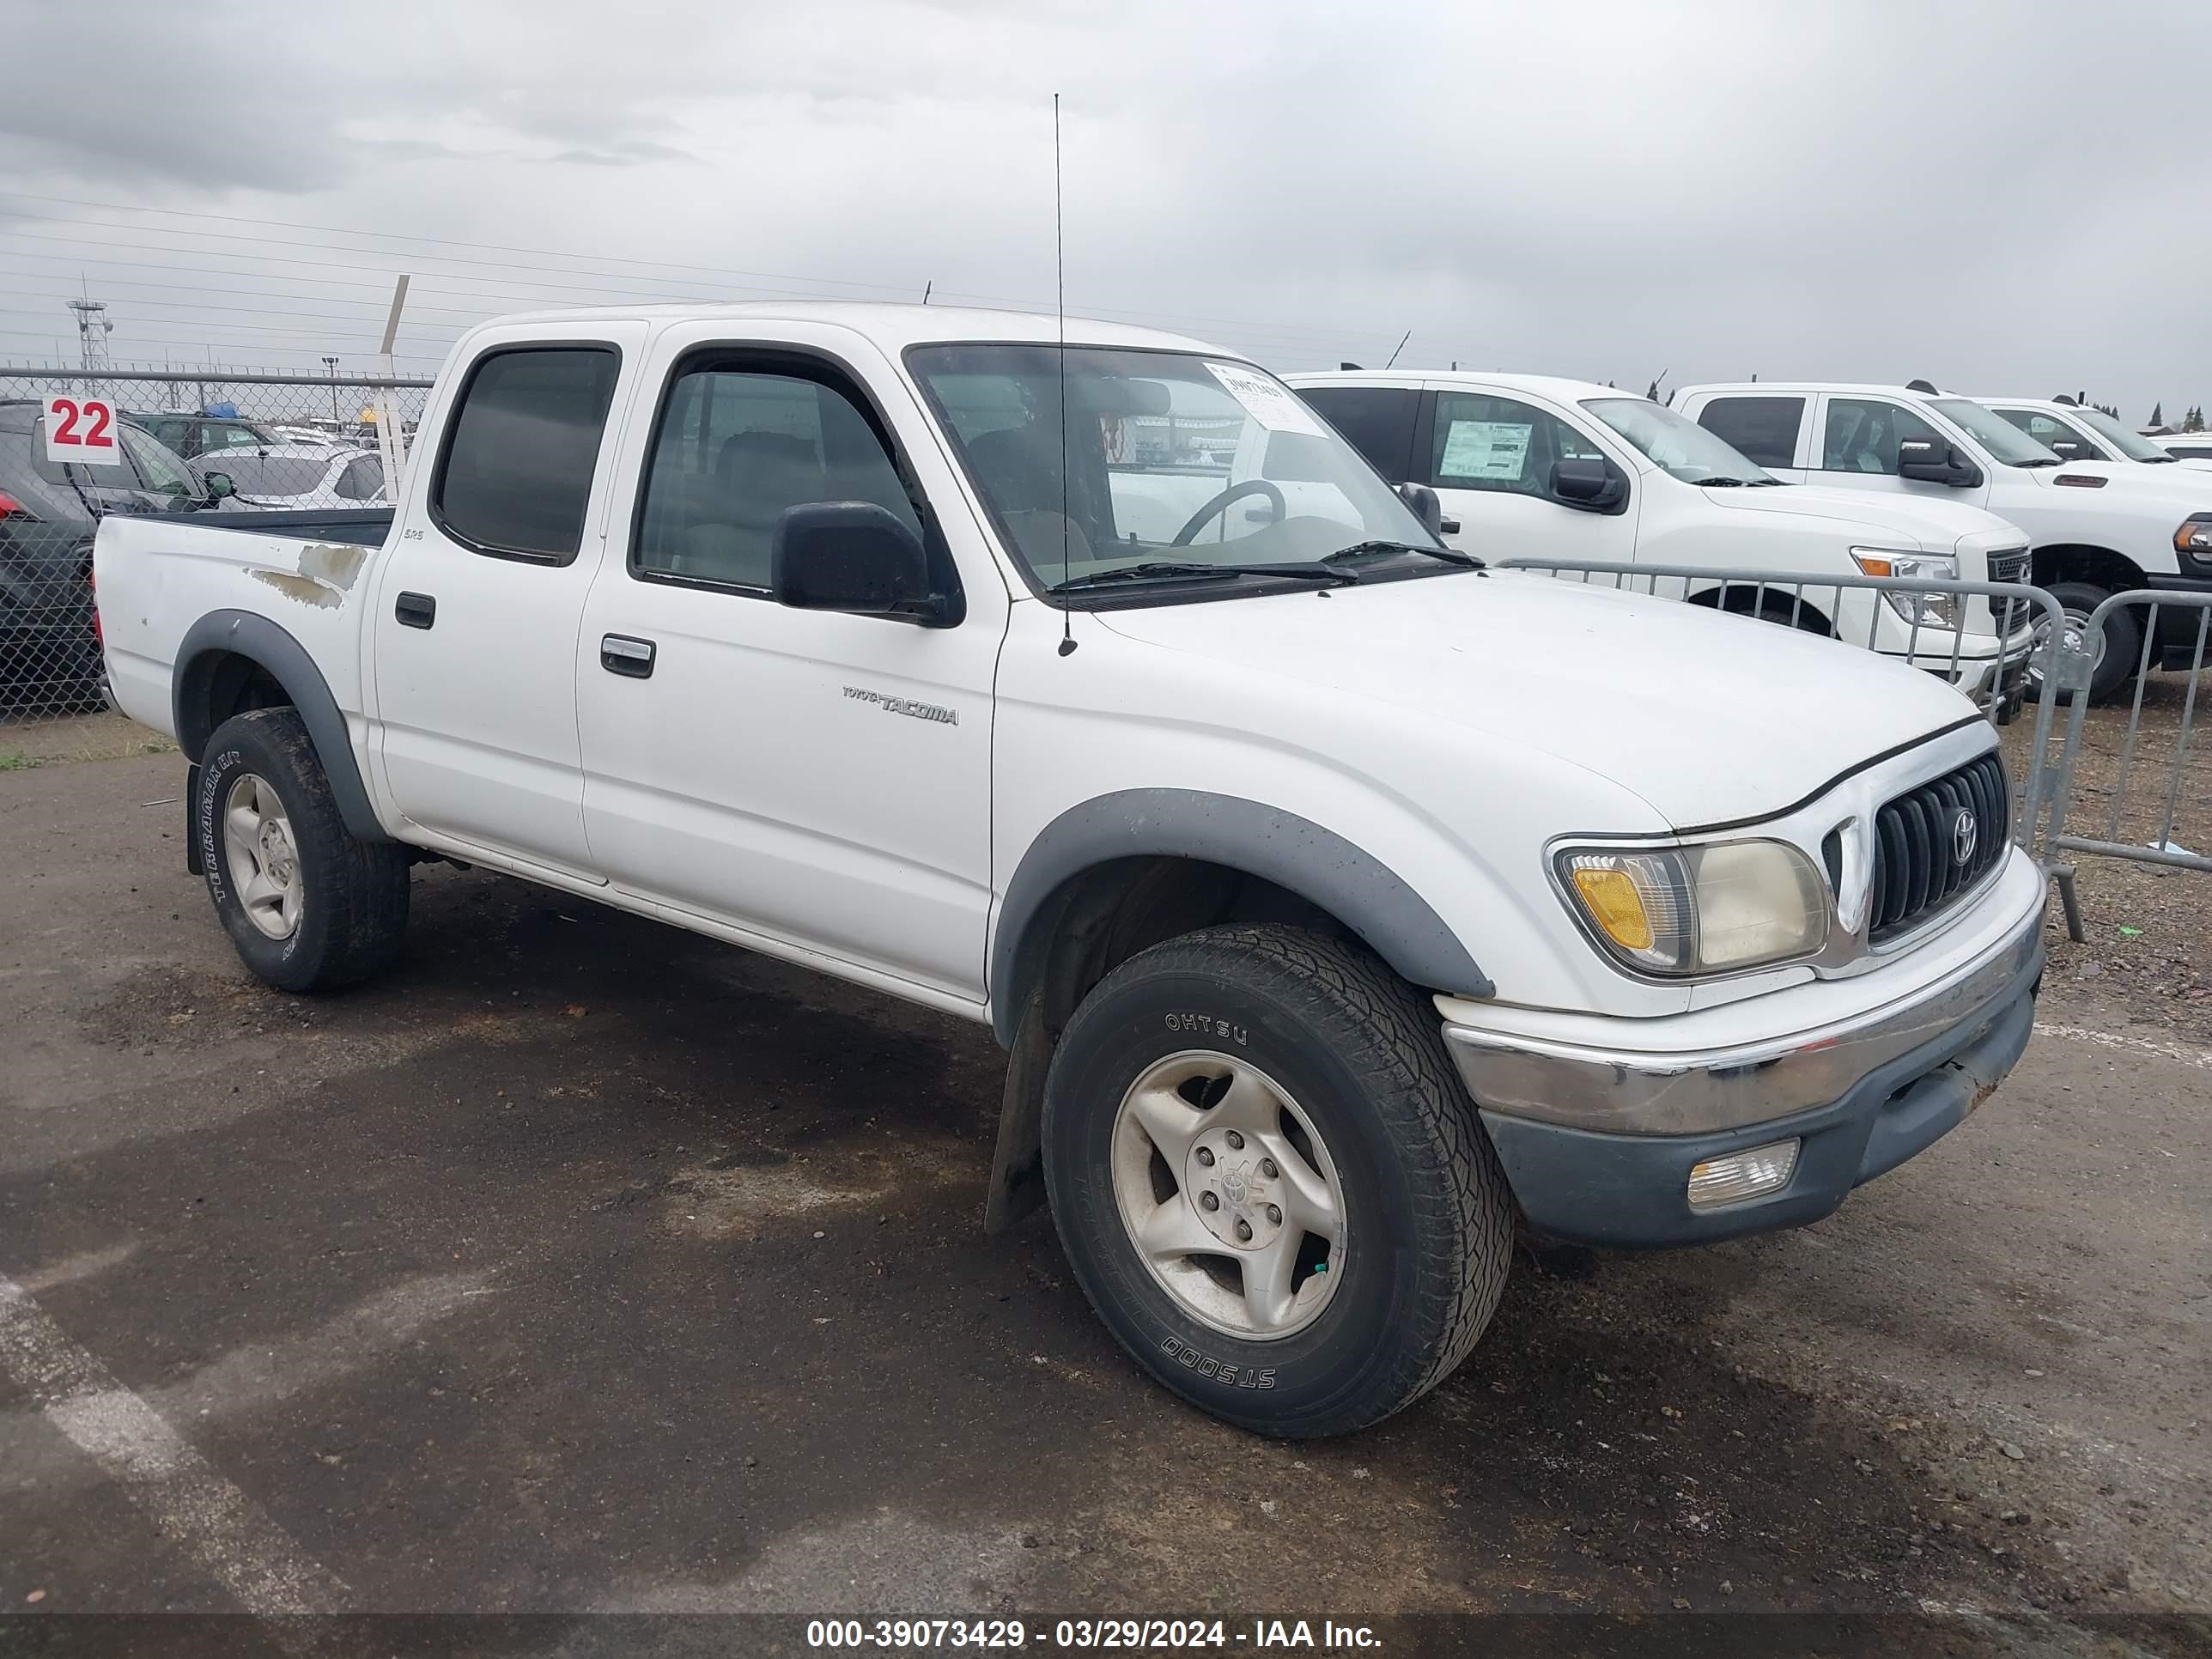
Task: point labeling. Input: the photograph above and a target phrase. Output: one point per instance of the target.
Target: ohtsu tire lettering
(1207, 1025)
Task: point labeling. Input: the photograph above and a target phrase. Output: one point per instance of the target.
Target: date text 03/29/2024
(1123, 1635)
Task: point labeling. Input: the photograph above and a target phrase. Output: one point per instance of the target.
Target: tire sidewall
(2122, 638)
(239, 748)
(1364, 1332)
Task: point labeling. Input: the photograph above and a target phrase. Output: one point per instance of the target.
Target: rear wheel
(1269, 1182)
(308, 906)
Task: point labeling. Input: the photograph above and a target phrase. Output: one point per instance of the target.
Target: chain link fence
(185, 442)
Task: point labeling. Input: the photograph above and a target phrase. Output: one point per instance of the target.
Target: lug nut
(1208, 1201)
(1206, 1155)
(1244, 1231)
(1275, 1214)
(1267, 1168)
(1236, 1141)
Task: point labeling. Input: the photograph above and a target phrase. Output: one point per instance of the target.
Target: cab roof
(1556, 388)
(892, 327)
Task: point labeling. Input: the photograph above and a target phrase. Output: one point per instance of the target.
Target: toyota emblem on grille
(1964, 832)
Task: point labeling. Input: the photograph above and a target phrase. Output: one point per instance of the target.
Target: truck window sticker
(1273, 406)
(1487, 449)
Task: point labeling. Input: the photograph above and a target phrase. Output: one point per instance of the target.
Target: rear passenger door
(799, 777)
(480, 593)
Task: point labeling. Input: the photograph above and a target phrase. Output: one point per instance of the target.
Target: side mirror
(1925, 461)
(2068, 449)
(855, 557)
(1589, 486)
(1426, 507)
(219, 486)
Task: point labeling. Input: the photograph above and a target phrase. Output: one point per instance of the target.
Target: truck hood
(2183, 489)
(1933, 527)
(1710, 718)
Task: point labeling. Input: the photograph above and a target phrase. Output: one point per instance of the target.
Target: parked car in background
(49, 646)
(2187, 446)
(1344, 907)
(298, 476)
(1530, 466)
(2096, 528)
(192, 435)
(2081, 432)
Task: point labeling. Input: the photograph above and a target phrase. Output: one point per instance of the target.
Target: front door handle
(415, 611)
(621, 654)
(1449, 527)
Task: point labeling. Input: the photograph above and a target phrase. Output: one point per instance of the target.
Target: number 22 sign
(80, 428)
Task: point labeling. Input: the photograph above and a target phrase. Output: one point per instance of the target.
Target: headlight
(1706, 909)
(1929, 610)
(2193, 536)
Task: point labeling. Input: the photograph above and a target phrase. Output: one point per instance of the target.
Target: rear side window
(520, 448)
(2051, 433)
(360, 480)
(1376, 421)
(1763, 429)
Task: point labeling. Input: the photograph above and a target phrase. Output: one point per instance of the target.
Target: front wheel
(1269, 1182)
(2115, 652)
(308, 906)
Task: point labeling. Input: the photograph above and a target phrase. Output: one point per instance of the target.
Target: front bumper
(1861, 1097)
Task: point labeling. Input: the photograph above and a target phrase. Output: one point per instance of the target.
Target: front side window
(2130, 442)
(1680, 448)
(161, 470)
(2051, 432)
(1170, 460)
(2005, 442)
(1864, 433)
(1482, 443)
(521, 446)
(1377, 420)
(1764, 429)
(734, 451)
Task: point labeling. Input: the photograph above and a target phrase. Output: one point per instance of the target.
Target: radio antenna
(1402, 339)
(1060, 286)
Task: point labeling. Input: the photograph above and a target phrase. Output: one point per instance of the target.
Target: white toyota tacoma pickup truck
(1542, 468)
(2096, 528)
(1343, 907)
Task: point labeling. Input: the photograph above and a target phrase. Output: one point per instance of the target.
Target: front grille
(1917, 867)
(2009, 566)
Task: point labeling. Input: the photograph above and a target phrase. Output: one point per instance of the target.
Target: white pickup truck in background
(1529, 466)
(1343, 907)
(2081, 432)
(2097, 528)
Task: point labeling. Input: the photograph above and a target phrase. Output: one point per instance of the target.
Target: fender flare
(1296, 854)
(257, 639)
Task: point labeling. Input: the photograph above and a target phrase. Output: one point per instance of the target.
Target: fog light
(1743, 1175)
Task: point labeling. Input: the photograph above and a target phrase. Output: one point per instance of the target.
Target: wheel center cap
(1234, 1189)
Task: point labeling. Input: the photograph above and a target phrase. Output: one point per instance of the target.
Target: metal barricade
(2172, 775)
(2003, 678)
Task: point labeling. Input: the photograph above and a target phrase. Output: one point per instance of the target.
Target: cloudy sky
(2002, 196)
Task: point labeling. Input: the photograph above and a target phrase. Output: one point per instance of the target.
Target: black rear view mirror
(219, 486)
(856, 557)
(1589, 486)
(1928, 460)
(1426, 507)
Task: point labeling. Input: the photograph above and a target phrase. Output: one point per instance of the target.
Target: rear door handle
(415, 611)
(621, 654)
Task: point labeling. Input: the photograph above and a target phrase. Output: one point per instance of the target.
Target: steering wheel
(1235, 492)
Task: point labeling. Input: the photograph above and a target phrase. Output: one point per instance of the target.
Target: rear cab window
(521, 450)
(1763, 429)
(1376, 421)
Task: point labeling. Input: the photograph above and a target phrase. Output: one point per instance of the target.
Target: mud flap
(194, 864)
(1018, 1164)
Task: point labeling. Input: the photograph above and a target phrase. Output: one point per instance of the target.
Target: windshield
(2130, 442)
(2006, 442)
(1681, 448)
(270, 475)
(1170, 457)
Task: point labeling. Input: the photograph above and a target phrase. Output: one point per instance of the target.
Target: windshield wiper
(2039, 461)
(1376, 548)
(1722, 482)
(1191, 570)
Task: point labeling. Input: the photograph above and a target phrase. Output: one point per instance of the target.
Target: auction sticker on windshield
(80, 428)
(1485, 449)
(1275, 407)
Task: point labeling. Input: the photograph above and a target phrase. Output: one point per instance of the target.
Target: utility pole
(332, 364)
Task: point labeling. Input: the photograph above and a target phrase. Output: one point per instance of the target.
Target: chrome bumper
(1631, 1092)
